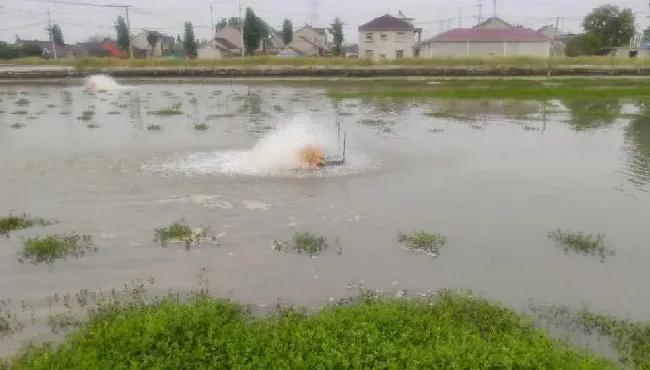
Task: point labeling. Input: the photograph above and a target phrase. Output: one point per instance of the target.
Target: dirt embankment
(58, 72)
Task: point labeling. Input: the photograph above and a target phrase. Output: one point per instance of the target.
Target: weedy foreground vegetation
(444, 331)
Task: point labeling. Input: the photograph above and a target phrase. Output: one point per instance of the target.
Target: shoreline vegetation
(441, 329)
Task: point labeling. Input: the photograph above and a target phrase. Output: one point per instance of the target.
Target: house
(388, 37)
(164, 43)
(494, 37)
(559, 39)
(307, 41)
(226, 43)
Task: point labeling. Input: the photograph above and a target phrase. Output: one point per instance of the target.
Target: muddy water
(493, 176)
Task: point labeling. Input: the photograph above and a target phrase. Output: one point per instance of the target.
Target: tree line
(256, 31)
(605, 26)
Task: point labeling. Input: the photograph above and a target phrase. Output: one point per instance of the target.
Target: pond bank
(372, 71)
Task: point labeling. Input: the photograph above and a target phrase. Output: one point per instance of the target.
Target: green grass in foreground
(274, 60)
(451, 331)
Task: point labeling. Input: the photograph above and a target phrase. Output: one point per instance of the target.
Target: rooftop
(387, 22)
(486, 35)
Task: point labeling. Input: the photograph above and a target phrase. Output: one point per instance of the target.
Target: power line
(76, 3)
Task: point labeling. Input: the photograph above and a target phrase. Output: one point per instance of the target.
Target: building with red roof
(494, 37)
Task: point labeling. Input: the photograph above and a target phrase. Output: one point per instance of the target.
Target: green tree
(123, 37)
(585, 44)
(287, 31)
(152, 39)
(189, 41)
(252, 31)
(613, 25)
(57, 35)
(337, 36)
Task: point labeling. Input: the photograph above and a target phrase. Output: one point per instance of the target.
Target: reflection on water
(637, 147)
(592, 114)
(494, 176)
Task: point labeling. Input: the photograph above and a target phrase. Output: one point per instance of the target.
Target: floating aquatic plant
(422, 241)
(17, 125)
(92, 125)
(581, 243)
(86, 115)
(20, 112)
(154, 127)
(22, 102)
(201, 127)
(309, 243)
(13, 222)
(181, 232)
(49, 248)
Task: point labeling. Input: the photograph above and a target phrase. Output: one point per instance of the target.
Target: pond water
(493, 176)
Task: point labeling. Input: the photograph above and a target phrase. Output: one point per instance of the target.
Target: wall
(208, 51)
(231, 34)
(388, 46)
(311, 35)
(485, 49)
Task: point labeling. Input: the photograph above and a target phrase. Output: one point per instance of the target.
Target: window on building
(383, 36)
(368, 53)
(368, 36)
(399, 53)
(399, 36)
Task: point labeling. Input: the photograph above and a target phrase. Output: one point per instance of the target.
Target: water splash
(273, 155)
(102, 82)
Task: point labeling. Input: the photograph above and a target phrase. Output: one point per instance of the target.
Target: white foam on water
(103, 82)
(273, 155)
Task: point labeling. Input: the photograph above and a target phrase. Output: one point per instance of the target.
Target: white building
(388, 37)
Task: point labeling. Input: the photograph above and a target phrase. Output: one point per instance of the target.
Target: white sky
(28, 18)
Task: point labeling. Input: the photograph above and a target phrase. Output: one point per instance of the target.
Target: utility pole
(494, 8)
(241, 30)
(128, 27)
(460, 13)
(480, 12)
(214, 30)
(49, 28)
(552, 47)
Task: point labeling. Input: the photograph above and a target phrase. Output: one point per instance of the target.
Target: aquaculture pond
(491, 181)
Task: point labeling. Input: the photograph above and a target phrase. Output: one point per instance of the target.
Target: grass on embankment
(501, 89)
(449, 332)
(305, 61)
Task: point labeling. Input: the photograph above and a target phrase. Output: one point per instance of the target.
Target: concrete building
(164, 44)
(388, 37)
(494, 37)
(309, 41)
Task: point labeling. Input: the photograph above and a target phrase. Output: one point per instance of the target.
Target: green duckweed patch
(306, 242)
(14, 222)
(581, 243)
(49, 248)
(500, 89)
(450, 331)
(422, 241)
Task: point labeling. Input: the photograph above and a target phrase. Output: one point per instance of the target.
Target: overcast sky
(28, 18)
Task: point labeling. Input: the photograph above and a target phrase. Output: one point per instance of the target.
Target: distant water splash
(273, 155)
(103, 82)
